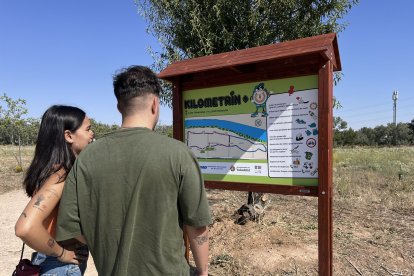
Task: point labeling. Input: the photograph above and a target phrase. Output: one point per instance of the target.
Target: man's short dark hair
(135, 81)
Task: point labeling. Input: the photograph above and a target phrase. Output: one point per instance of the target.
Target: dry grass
(10, 180)
(383, 175)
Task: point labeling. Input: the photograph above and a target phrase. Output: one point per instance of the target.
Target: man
(131, 193)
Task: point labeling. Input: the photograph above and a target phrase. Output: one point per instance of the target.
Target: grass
(10, 179)
(378, 174)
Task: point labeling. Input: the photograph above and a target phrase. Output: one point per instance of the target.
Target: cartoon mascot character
(259, 98)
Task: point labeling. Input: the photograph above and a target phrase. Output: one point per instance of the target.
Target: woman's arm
(30, 228)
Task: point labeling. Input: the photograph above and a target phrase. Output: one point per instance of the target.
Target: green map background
(246, 89)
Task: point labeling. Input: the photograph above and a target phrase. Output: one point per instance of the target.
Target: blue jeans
(51, 266)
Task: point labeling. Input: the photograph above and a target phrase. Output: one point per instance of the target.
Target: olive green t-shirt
(129, 193)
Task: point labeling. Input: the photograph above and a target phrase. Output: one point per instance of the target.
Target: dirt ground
(11, 206)
(369, 240)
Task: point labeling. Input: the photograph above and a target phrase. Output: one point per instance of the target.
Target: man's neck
(137, 121)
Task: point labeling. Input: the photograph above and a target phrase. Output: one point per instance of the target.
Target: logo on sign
(311, 142)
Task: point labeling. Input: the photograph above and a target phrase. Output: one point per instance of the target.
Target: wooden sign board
(260, 120)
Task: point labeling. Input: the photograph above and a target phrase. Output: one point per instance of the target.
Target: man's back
(135, 189)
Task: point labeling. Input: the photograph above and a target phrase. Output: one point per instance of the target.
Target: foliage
(339, 124)
(11, 116)
(164, 130)
(12, 124)
(100, 129)
(346, 137)
(389, 135)
(191, 28)
(30, 127)
(411, 127)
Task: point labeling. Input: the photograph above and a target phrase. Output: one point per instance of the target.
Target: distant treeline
(17, 131)
(27, 131)
(389, 135)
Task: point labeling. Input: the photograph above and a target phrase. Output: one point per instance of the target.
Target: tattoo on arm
(201, 239)
(23, 215)
(51, 243)
(53, 193)
(38, 202)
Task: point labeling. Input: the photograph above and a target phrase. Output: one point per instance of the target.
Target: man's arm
(199, 246)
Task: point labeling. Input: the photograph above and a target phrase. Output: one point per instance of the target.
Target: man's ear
(155, 105)
(68, 136)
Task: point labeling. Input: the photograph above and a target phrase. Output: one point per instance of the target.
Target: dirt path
(11, 206)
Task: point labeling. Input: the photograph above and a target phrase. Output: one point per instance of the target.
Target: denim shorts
(51, 266)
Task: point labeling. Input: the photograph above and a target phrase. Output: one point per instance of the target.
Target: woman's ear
(68, 136)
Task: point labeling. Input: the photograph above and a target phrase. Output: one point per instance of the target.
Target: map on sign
(261, 132)
(223, 137)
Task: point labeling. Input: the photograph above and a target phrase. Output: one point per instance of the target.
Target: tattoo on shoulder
(51, 243)
(201, 239)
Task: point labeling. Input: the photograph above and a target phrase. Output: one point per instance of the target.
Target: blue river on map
(256, 133)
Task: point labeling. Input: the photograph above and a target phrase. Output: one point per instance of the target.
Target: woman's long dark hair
(52, 152)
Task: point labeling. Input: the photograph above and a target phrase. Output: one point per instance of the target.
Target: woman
(64, 132)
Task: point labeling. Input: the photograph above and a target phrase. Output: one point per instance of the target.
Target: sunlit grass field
(379, 174)
(9, 178)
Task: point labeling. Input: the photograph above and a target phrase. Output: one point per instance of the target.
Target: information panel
(263, 132)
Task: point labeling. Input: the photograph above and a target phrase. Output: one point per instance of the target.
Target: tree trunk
(254, 209)
(20, 154)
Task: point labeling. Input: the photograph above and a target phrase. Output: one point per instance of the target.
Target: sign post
(260, 120)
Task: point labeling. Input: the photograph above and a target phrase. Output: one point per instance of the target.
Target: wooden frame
(318, 55)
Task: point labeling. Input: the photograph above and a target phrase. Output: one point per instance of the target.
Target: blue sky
(65, 52)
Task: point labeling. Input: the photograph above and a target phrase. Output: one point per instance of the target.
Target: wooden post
(177, 101)
(179, 135)
(325, 148)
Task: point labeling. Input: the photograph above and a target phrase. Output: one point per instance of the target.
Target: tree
(164, 130)
(366, 137)
(340, 128)
(30, 131)
(192, 28)
(411, 127)
(99, 129)
(339, 124)
(11, 116)
(400, 134)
